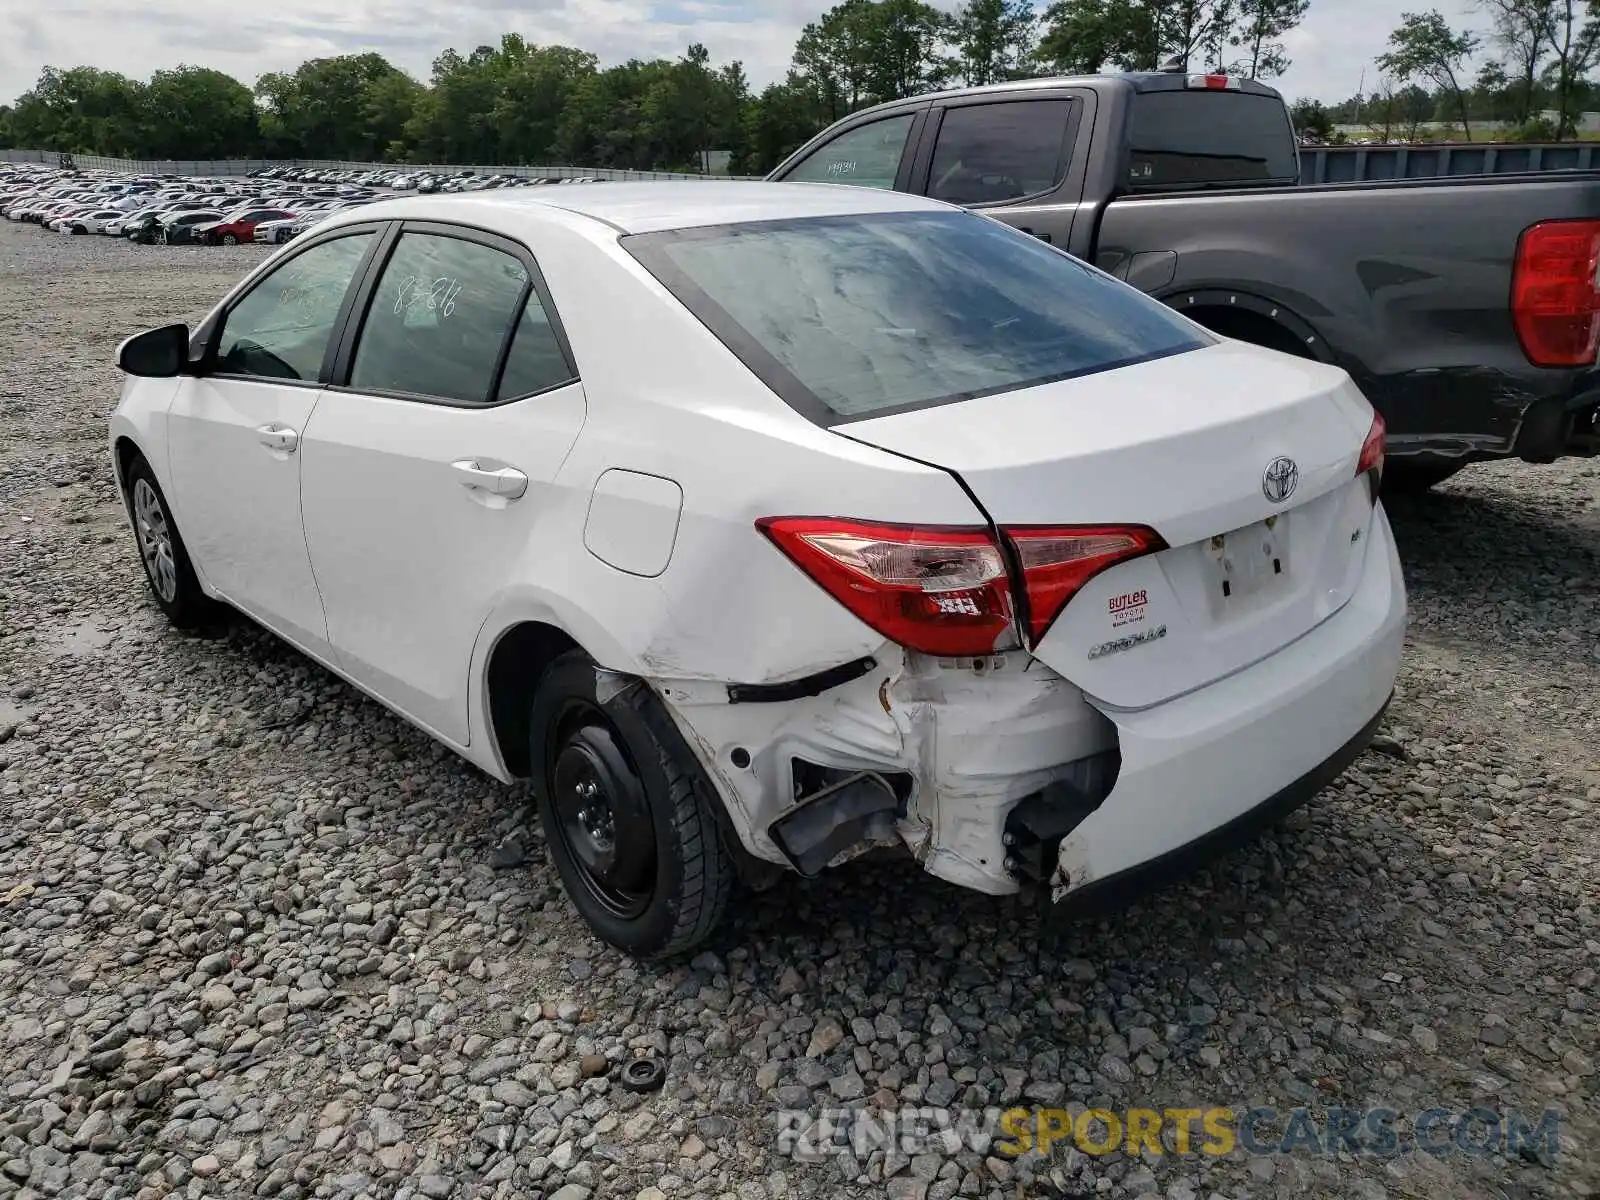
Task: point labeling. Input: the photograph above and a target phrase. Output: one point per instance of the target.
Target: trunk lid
(1182, 445)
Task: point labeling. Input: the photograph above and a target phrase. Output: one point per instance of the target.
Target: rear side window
(862, 315)
(536, 362)
(990, 153)
(439, 318)
(1198, 138)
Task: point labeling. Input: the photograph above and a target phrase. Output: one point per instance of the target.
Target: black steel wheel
(627, 811)
(604, 816)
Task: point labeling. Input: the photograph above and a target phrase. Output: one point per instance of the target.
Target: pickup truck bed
(1405, 284)
(1188, 187)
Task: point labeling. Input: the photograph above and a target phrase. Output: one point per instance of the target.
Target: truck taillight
(1057, 561)
(1372, 453)
(1555, 293)
(945, 590)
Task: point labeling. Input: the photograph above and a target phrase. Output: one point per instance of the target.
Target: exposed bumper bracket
(861, 807)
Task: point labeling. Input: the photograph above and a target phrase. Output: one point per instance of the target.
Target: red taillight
(945, 590)
(1372, 450)
(1057, 561)
(942, 590)
(1555, 293)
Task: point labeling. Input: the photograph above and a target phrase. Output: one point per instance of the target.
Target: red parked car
(239, 226)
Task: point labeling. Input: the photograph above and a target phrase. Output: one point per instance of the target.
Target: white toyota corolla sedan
(766, 524)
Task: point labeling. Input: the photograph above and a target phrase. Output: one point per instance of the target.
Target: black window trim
(350, 334)
(205, 339)
(908, 153)
(1063, 168)
(647, 249)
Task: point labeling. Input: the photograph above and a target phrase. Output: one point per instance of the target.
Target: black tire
(77, 229)
(1402, 477)
(663, 886)
(187, 607)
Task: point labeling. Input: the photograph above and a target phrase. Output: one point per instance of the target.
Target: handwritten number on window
(438, 296)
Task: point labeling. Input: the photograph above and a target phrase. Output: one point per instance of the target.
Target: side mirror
(156, 353)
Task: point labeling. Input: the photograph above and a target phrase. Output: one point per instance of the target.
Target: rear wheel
(166, 562)
(627, 813)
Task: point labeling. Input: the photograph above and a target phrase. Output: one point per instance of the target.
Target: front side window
(282, 326)
(856, 316)
(439, 318)
(990, 153)
(867, 156)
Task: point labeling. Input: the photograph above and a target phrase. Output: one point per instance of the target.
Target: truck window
(1191, 138)
(866, 156)
(990, 153)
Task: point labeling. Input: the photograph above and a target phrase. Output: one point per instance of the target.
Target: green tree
(993, 39)
(1522, 30)
(335, 107)
(1425, 47)
(195, 112)
(1084, 36)
(777, 122)
(79, 110)
(1311, 117)
(1573, 36)
(835, 53)
(1260, 24)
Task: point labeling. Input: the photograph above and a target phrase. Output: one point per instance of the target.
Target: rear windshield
(859, 316)
(1199, 138)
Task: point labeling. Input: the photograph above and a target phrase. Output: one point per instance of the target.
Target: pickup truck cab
(1466, 308)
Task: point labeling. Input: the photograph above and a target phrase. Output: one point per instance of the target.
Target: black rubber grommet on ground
(644, 1075)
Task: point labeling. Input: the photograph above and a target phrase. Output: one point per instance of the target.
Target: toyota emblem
(1280, 479)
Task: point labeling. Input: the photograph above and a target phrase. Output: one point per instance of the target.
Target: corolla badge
(1280, 479)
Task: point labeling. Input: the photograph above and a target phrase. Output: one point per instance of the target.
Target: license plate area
(1248, 565)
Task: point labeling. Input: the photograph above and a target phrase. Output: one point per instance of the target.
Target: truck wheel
(627, 813)
(1402, 477)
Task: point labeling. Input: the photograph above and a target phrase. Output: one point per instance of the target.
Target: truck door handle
(1043, 237)
(278, 437)
(503, 481)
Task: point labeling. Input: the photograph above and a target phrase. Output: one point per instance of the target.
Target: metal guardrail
(1360, 164)
(243, 166)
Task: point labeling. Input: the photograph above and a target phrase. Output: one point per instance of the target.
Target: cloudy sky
(135, 37)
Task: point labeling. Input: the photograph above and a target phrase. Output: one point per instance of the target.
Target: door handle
(278, 437)
(507, 482)
(1043, 237)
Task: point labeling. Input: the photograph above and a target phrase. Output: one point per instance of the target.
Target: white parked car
(772, 523)
(94, 220)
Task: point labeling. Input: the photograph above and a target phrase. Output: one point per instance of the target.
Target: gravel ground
(254, 940)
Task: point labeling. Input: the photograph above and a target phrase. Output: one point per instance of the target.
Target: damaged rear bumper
(1129, 884)
(998, 773)
(1200, 765)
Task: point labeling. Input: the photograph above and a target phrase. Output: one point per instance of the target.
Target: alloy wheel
(155, 540)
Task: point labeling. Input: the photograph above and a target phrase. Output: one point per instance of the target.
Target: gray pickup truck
(1466, 308)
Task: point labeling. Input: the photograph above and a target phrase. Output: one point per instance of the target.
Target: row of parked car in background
(169, 209)
(274, 205)
(414, 181)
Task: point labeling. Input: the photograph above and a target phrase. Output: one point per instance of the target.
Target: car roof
(662, 204)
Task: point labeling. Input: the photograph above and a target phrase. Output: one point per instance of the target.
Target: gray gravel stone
(193, 818)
